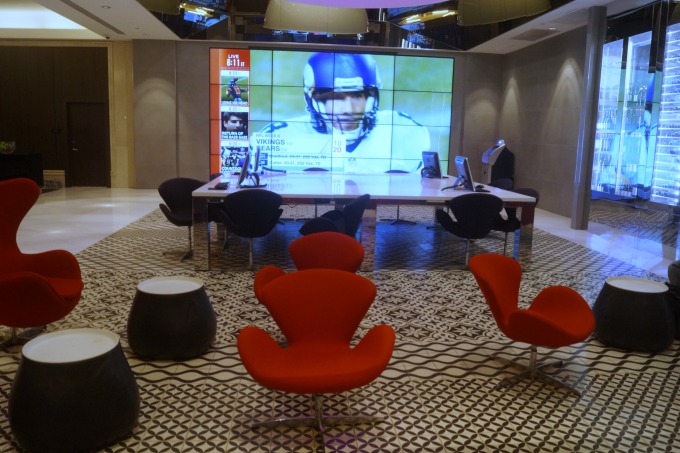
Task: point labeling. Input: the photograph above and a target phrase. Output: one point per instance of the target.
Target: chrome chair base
(186, 255)
(318, 420)
(17, 339)
(326, 420)
(533, 372)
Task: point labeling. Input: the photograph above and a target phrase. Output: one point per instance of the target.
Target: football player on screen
(342, 94)
(236, 91)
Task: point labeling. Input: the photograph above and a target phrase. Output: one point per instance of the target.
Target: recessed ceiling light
(552, 28)
(106, 7)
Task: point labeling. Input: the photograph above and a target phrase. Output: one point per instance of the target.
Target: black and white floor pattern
(438, 392)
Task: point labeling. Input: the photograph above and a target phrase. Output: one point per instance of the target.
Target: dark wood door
(87, 145)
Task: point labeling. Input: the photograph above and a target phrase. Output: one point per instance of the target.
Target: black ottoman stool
(171, 318)
(634, 314)
(73, 391)
(674, 293)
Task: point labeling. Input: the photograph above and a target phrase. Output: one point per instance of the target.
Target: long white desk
(301, 188)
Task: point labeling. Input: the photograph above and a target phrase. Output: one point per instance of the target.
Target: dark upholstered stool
(674, 293)
(634, 314)
(171, 318)
(73, 391)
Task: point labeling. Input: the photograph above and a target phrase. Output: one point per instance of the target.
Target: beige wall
(540, 109)
(172, 125)
(121, 115)
(481, 80)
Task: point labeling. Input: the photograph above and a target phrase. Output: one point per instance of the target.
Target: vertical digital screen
(338, 111)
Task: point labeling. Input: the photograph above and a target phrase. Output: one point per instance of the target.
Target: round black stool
(171, 318)
(73, 391)
(674, 294)
(634, 314)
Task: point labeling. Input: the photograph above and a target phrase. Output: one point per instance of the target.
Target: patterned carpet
(438, 392)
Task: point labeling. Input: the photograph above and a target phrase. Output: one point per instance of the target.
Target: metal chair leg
(318, 420)
(250, 253)
(467, 251)
(16, 338)
(186, 255)
(190, 252)
(534, 371)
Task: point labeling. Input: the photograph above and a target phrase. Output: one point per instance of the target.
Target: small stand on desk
(255, 181)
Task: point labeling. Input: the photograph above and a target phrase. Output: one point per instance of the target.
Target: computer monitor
(431, 167)
(245, 171)
(464, 174)
(254, 176)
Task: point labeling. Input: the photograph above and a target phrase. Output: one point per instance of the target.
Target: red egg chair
(318, 311)
(38, 288)
(557, 317)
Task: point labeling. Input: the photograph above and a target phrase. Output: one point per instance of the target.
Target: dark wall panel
(36, 83)
(27, 114)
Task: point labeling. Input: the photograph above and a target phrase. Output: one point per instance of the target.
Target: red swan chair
(557, 317)
(35, 289)
(318, 311)
(325, 250)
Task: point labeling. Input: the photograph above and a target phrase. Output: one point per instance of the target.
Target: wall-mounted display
(345, 112)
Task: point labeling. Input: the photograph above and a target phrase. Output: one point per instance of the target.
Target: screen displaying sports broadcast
(337, 111)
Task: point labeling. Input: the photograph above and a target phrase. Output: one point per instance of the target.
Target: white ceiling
(121, 20)
(127, 20)
(566, 18)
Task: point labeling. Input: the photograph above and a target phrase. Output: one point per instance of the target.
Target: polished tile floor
(438, 391)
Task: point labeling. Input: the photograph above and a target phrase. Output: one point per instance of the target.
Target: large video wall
(345, 112)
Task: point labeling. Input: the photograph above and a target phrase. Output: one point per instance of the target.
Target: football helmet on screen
(328, 73)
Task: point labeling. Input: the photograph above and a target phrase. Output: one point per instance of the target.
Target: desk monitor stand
(460, 181)
(255, 179)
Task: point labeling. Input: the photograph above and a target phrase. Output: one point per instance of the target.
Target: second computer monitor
(464, 174)
(431, 167)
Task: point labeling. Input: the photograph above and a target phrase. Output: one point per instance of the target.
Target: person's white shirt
(396, 142)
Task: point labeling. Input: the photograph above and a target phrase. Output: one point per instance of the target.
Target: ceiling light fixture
(480, 12)
(424, 17)
(286, 15)
(371, 4)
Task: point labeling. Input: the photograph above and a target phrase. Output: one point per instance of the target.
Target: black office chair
(399, 221)
(503, 183)
(176, 194)
(475, 215)
(512, 223)
(250, 213)
(345, 221)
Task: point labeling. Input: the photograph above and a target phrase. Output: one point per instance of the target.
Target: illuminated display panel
(345, 112)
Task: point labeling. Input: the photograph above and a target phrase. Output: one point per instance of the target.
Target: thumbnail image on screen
(346, 112)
